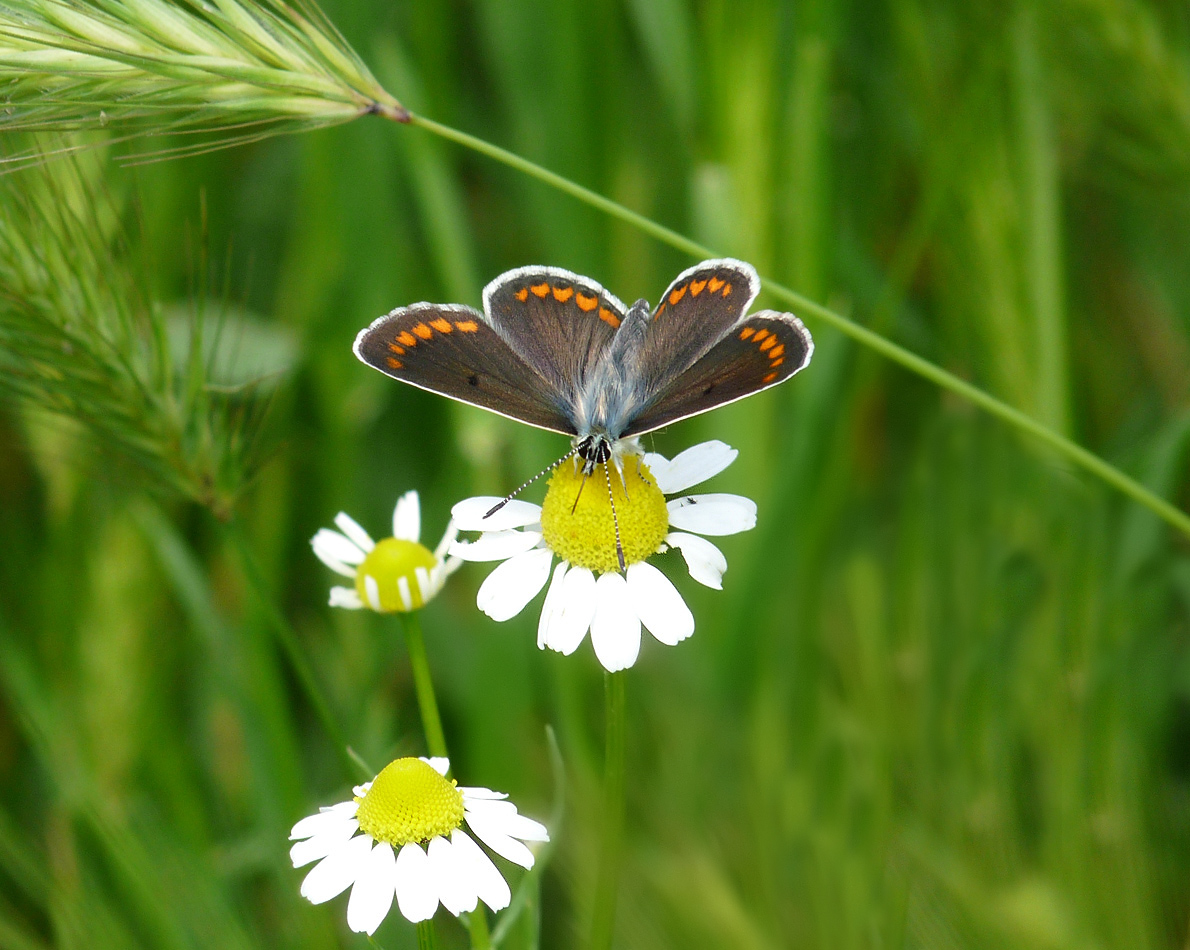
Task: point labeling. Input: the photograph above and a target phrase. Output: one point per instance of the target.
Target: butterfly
(555, 350)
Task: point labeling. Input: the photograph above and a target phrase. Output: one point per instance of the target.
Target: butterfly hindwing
(453, 351)
(558, 322)
(758, 352)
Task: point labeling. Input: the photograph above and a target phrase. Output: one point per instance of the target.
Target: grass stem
(1071, 451)
(612, 833)
(287, 638)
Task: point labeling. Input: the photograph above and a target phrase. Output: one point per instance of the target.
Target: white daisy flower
(588, 590)
(395, 574)
(402, 836)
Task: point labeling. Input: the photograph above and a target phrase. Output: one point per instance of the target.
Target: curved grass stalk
(1064, 447)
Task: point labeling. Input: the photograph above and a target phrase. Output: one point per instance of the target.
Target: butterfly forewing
(693, 314)
(558, 322)
(761, 351)
(452, 351)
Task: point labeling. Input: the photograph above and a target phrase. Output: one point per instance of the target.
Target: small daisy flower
(395, 574)
(402, 836)
(575, 524)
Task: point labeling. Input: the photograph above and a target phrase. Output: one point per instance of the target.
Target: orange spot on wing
(442, 326)
(777, 362)
(608, 317)
(769, 378)
(696, 287)
(399, 350)
(777, 351)
(726, 289)
(658, 313)
(677, 295)
(769, 343)
(585, 303)
(714, 283)
(466, 326)
(746, 332)
(522, 295)
(392, 363)
(540, 290)
(406, 338)
(562, 294)
(423, 331)
(760, 335)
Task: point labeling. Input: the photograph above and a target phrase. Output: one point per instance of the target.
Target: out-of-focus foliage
(944, 698)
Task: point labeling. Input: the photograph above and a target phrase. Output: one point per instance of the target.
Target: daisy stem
(427, 936)
(608, 875)
(431, 722)
(1023, 422)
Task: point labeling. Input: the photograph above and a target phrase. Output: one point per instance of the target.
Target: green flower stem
(430, 720)
(1069, 450)
(612, 833)
(477, 924)
(427, 936)
(288, 640)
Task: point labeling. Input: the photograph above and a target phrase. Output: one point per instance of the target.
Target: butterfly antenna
(548, 468)
(607, 472)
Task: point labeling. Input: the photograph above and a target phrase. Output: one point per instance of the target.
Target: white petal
(416, 895)
(478, 792)
(336, 552)
(326, 819)
(345, 597)
(350, 527)
(658, 604)
(573, 612)
(470, 512)
(615, 629)
(495, 545)
(507, 819)
(337, 871)
(374, 889)
(489, 832)
(448, 538)
(323, 843)
(696, 464)
(407, 517)
(372, 590)
(439, 763)
(713, 514)
(402, 590)
(705, 561)
(486, 878)
(514, 583)
(456, 888)
(551, 604)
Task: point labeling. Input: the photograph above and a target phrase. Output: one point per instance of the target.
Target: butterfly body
(555, 350)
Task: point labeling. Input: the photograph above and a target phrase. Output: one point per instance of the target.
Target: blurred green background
(944, 698)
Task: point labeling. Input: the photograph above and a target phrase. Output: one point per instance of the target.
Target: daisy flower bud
(396, 574)
(402, 836)
(588, 527)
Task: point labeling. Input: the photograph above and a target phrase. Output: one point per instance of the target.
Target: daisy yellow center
(410, 801)
(584, 533)
(390, 562)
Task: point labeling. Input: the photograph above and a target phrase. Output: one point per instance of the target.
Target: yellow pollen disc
(391, 560)
(584, 534)
(409, 801)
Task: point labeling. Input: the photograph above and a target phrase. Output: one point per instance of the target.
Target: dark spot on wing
(473, 379)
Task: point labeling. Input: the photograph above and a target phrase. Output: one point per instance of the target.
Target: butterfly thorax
(611, 394)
